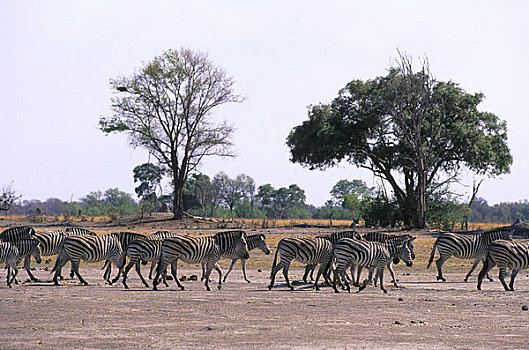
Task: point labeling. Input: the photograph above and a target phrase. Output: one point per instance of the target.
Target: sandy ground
(421, 314)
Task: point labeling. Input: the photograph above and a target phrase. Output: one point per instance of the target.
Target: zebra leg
(392, 273)
(125, 273)
(243, 264)
(217, 267)
(476, 261)
(153, 264)
(380, 273)
(59, 265)
(285, 273)
(75, 268)
(27, 267)
(273, 274)
(513, 276)
(174, 266)
(308, 269)
(502, 278)
(203, 271)
(322, 270)
(488, 264)
(337, 273)
(15, 273)
(138, 271)
(233, 261)
(356, 282)
(439, 262)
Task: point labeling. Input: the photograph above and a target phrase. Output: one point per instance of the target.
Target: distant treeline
(268, 202)
(502, 213)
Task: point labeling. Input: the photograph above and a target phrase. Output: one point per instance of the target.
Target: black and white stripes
(89, 249)
(310, 251)
(199, 250)
(506, 254)
(461, 246)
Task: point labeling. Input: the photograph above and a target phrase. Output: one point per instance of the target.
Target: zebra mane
(230, 235)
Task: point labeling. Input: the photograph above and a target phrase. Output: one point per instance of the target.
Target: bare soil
(422, 313)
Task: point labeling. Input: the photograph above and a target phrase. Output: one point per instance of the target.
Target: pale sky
(56, 59)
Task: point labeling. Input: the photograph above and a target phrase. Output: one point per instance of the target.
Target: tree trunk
(178, 203)
(421, 195)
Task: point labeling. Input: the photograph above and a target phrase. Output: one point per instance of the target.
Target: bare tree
(8, 197)
(166, 108)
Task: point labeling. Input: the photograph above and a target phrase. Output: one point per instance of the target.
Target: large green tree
(166, 108)
(411, 130)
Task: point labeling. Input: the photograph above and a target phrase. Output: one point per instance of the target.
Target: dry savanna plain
(422, 313)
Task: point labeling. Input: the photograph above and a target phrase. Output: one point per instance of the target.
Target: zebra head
(405, 252)
(261, 244)
(35, 250)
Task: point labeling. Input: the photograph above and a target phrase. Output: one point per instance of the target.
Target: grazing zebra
(13, 234)
(79, 231)
(89, 249)
(506, 254)
(305, 250)
(141, 250)
(198, 250)
(26, 249)
(466, 247)
(9, 256)
(253, 241)
(333, 238)
(368, 254)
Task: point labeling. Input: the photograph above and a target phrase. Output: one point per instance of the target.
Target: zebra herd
(335, 254)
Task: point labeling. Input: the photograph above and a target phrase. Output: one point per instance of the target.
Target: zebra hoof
(219, 287)
(270, 287)
(385, 291)
(182, 288)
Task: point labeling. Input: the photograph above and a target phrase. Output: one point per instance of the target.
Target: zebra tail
(433, 254)
(275, 260)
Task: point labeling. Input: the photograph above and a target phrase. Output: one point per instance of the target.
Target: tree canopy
(409, 129)
(166, 107)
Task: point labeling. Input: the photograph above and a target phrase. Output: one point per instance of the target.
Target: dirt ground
(422, 313)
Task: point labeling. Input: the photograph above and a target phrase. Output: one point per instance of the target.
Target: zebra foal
(9, 256)
(506, 254)
(199, 250)
(461, 246)
(310, 251)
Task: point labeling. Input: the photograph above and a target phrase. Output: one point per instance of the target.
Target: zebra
(333, 238)
(506, 254)
(9, 256)
(466, 247)
(89, 249)
(159, 235)
(78, 231)
(26, 249)
(141, 250)
(368, 254)
(311, 251)
(13, 234)
(198, 250)
(253, 241)
(124, 239)
(382, 237)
